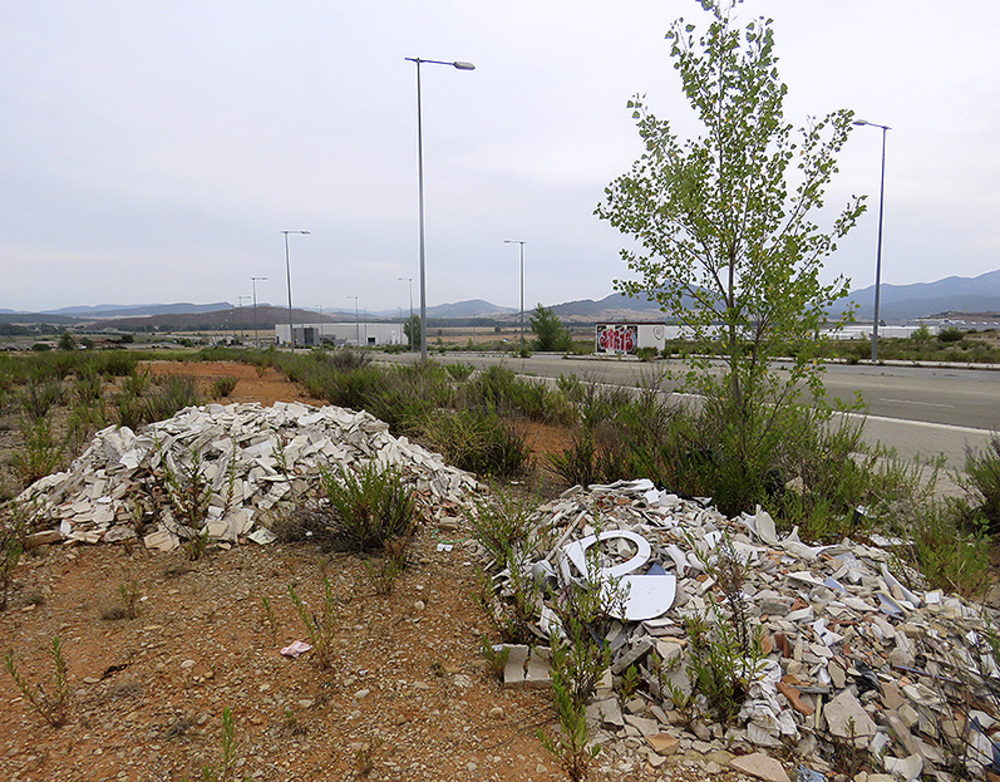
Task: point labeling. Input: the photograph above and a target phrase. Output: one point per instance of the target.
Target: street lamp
(518, 241)
(253, 283)
(288, 274)
(357, 322)
(878, 254)
(241, 300)
(462, 66)
(410, 279)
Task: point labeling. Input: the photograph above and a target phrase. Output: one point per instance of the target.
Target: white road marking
(910, 402)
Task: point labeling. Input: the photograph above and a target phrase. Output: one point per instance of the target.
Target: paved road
(919, 411)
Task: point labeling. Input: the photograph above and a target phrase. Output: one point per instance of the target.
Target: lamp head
(464, 66)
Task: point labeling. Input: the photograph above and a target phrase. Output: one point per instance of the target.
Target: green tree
(412, 331)
(66, 341)
(550, 334)
(723, 225)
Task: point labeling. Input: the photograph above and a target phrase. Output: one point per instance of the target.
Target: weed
(459, 372)
(321, 628)
(371, 507)
(504, 521)
(982, 483)
(479, 440)
(52, 707)
(225, 769)
(496, 657)
(948, 556)
(630, 682)
(38, 397)
(571, 745)
(40, 455)
(127, 607)
(223, 386)
(13, 529)
(511, 608)
(272, 621)
(364, 757)
(384, 574)
(188, 491)
(290, 725)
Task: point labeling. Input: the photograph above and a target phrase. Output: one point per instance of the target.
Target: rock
(761, 766)
(846, 719)
(663, 743)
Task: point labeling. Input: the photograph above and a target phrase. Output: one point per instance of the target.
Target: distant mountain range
(926, 299)
(949, 296)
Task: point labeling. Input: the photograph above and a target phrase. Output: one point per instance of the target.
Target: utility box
(627, 338)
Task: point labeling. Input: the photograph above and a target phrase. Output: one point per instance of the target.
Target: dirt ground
(408, 697)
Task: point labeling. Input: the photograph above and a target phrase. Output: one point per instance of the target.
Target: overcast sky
(152, 151)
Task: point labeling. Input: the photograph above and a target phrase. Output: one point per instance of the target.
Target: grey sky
(152, 151)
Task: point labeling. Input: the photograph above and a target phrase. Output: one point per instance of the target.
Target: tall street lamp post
(878, 252)
(288, 275)
(357, 322)
(410, 280)
(519, 242)
(253, 283)
(462, 66)
(241, 300)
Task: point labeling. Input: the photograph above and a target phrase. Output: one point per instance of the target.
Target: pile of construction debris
(248, 458)
(852, 660)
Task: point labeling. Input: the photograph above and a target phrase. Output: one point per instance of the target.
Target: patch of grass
(39, 454)
(479, 440)
(223, 386)
(503, 521)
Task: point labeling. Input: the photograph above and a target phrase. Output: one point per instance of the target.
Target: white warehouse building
(364, 333)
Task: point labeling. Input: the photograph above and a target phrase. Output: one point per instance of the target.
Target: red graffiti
(617, 339)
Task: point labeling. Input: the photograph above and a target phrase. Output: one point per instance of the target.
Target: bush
(950, 334)
(371, 508)
(982, 482)
(224, 386)
(478, 440)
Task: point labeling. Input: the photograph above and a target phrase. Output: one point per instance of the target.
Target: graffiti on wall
(621, 338)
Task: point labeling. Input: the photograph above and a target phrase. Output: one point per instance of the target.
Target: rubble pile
(852, 659)
(251, 458)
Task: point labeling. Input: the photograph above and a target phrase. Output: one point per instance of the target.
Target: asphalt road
(919, 411)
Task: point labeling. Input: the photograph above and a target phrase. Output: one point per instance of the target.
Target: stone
(761, 766)
(663, 743)
(846, 719)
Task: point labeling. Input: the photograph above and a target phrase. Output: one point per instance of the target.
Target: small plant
(223, 386)
(13, 529)
(225, 769)
(320, 628)
(480, 440)
(127, 607)
(364, 757)
(272, 621)
(371, 507)
(189, 493)
(513, 607)
(39, 396)
(40, 454)
(384, 574)
(503, 521)
(497, 658)
(52, 706)
(571, 745)
(630, 682)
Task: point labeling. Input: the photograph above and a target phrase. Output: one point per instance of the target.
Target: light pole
(241, 300)
(357, 322)
(253, 283)
(462, 66)
(410, 279)
(521, 243)
(878, 252)
(288, 275)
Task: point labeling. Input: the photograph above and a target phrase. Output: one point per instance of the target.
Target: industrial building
(354, 334)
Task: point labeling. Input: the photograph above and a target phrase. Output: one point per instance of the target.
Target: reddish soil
(408, 697)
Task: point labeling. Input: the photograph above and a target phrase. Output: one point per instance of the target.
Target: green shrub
(478, 440)
(950, 334)
(38, 397)
(39, 455)
(982, 482)
(371, 507)
(503, 521)
(224, 386)
(13, 529)
(949, 556)
(321, 626)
